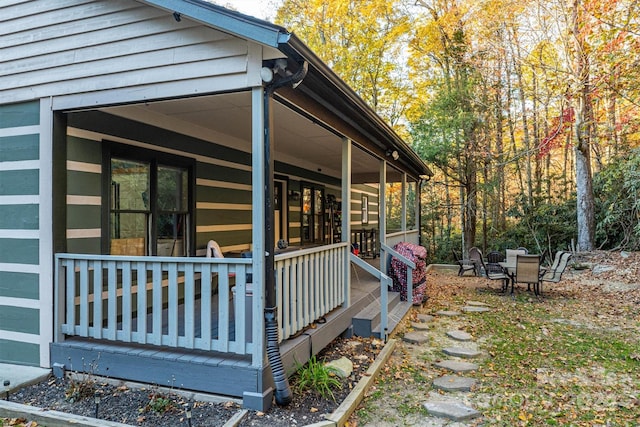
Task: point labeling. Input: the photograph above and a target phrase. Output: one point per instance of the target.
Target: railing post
(410, 284)
(385, 282)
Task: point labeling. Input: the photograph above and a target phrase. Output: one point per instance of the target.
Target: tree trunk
(583, 129)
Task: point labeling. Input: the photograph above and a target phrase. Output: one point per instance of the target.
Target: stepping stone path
(477, 303)
(454, 383)
(448, 313)
(419, 326)
(453, 408)
(425, 318)
(416, 337)
(465, 353)
(475, 309)
(456, 366)
(459, 335)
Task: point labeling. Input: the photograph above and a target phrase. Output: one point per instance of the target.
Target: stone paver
(475, 309)
(419, 326)
(448, 313)
(459, 335)
(457, 366)
(415, 337)
(465, 353)
(456, 411)
(478, 303)
(425, 318)
(454, 383)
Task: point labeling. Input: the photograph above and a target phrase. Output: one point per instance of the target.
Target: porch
(186, 330)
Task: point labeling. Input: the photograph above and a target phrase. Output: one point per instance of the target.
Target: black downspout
(283, 391)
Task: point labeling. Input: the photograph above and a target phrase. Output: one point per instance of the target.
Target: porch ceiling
(224, 119)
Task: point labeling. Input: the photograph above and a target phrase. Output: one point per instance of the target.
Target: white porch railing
(411, 236)
(102, 297)
(156, 300)
(309, 284)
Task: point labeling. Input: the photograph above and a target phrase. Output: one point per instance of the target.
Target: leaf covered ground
(570, 358)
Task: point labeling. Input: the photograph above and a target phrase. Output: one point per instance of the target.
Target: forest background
(527, 111)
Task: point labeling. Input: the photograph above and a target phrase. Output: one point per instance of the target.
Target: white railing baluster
(84, 297)
(156, 313)
(112, 300)
(97, 299)
(205, 307)
(71, 297)
(223, 310)
(189, 305)
(172, 330)
(126, 301)
(141, 295)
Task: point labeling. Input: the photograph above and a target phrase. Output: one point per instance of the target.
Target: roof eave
(296, 48)
(229, 21)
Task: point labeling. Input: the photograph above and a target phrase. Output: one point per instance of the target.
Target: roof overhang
(321, 84)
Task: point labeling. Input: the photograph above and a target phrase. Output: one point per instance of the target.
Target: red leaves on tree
(559, 127)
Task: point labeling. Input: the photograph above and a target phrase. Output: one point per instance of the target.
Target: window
(313, 230)
(365, 209)
(149, 205)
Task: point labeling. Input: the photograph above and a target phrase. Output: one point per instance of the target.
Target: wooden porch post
(258, 222)
(403, 192)
(382, 211)
(346, 214)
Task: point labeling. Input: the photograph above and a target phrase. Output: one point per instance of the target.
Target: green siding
(223, 195)
(223, 173)
(19, 147)
(83, 216)
(84, 246)
(223, 217)
(84, 150)
(19, 182)
(19, 285)
(19, 352)
(118, 126)
(19, 217)
(19, 251)
(20, 319)
(84, 183)
(24, 114)
(286, 169)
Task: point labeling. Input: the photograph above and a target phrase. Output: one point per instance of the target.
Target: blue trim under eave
(226, 20)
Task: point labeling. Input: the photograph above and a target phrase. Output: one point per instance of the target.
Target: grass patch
(546, 372)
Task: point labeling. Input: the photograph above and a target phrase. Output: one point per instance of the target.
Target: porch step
(395, 317)
(368, 319)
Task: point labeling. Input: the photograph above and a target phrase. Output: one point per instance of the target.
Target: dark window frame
(155, 159)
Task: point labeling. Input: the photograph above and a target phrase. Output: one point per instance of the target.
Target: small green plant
(318, 377)
(160, 404)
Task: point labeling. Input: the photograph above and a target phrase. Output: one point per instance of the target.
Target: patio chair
(522, 248)
(511, 255)
(554, 274)
(465, 264)
(495, 272)
(475, 257)
(528, 271)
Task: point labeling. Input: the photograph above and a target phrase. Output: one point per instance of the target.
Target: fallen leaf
(314, 409)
